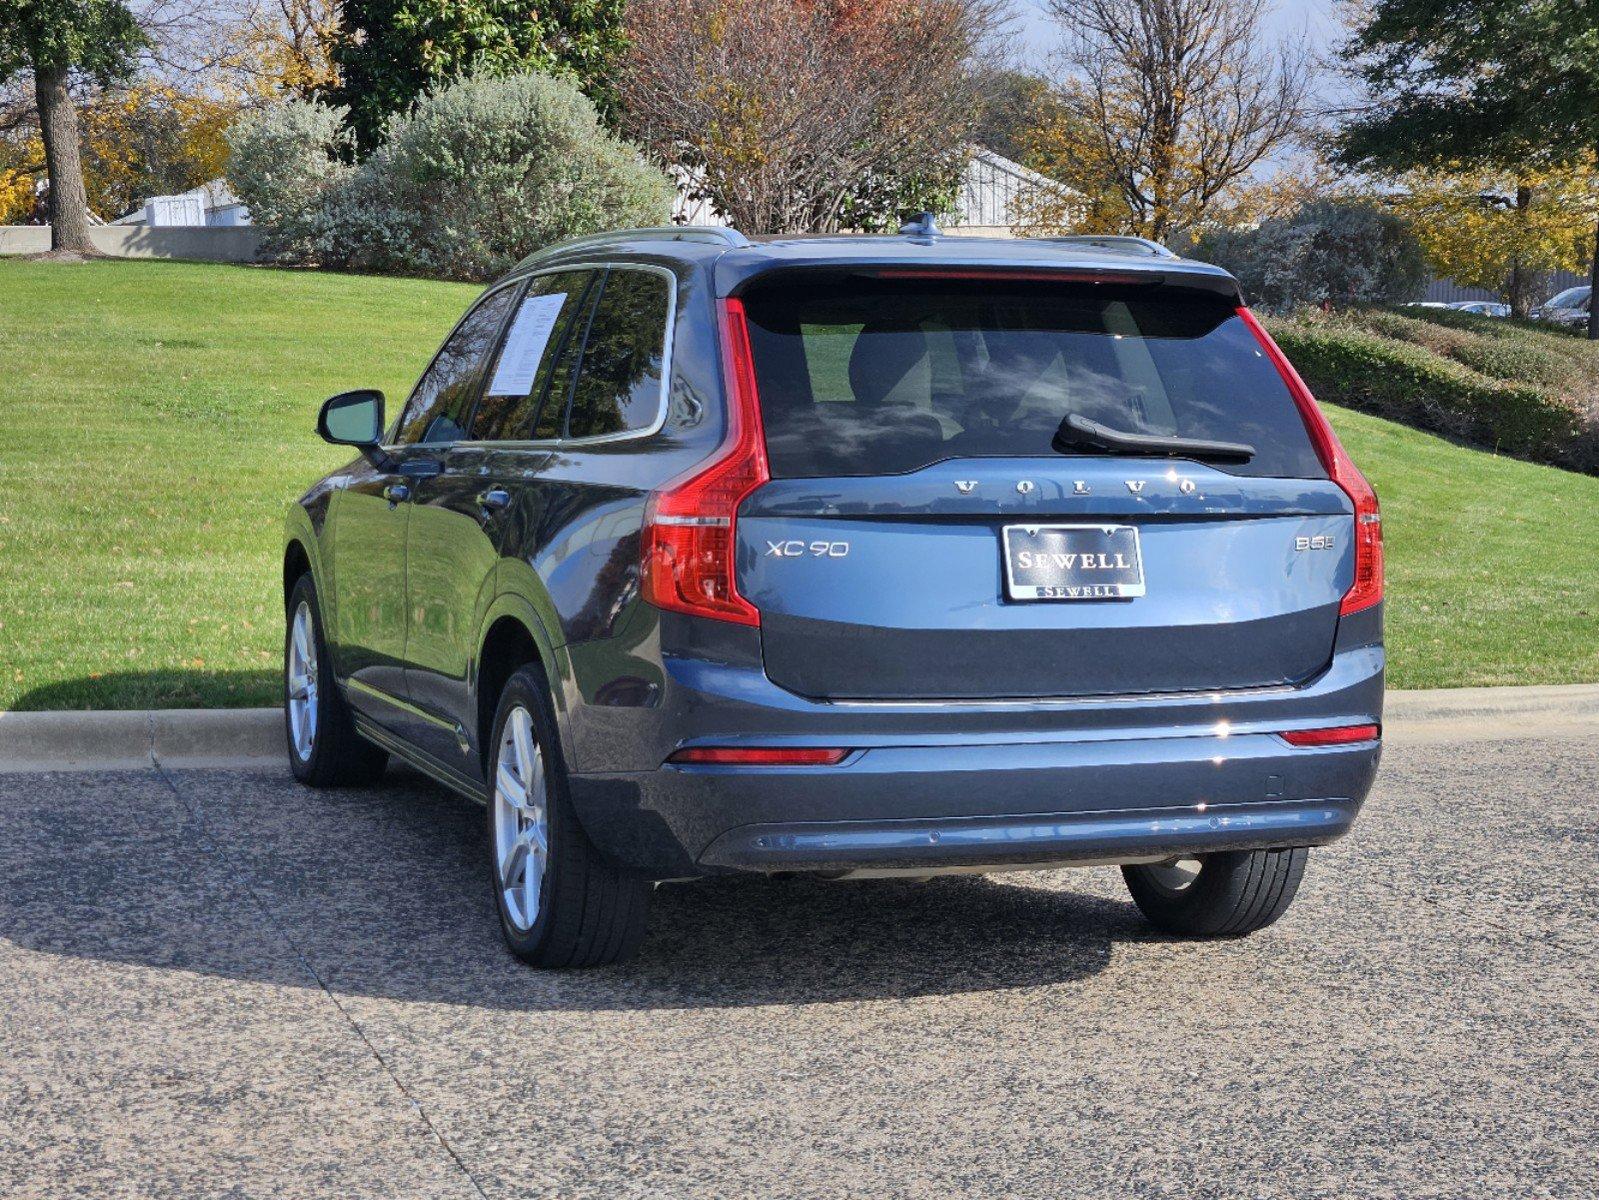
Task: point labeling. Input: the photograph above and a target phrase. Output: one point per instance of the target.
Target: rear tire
(561, 904)
(1231, 894)
(324, 748)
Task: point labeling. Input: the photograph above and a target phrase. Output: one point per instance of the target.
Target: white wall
(202, 242)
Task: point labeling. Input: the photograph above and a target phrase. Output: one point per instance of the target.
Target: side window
(619, 378)
(440, 403)
(520, 376)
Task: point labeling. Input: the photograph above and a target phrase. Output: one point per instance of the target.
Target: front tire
(324, 748)
(560, 903)
(1220, 895)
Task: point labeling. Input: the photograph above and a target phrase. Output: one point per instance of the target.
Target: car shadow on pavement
(384, 893)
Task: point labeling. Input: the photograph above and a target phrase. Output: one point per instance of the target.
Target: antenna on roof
(922, 226)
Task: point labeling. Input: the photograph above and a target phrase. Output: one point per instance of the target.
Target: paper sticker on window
(524, 345)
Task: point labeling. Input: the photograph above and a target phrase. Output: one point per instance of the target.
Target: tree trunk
(58, 123)
(1521, 279)
(1593, 290)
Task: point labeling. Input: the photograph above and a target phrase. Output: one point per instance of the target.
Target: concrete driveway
(216, 983)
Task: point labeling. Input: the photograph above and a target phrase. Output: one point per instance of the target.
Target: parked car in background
(855, 556)
(1483, 308)
(1569, 307)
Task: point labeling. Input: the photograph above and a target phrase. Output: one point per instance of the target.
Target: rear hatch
(936, 527)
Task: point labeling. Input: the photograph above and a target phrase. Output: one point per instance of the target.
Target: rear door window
(519, 379)
(619, 377)
(881, 377)
(441, 402)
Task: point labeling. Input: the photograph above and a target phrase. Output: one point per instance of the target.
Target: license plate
(1072, 562)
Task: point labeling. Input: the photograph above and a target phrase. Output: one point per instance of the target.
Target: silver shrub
(478, 175)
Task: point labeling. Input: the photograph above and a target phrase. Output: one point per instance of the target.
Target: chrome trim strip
(366, 689)
(426, 763)
(1143, 698)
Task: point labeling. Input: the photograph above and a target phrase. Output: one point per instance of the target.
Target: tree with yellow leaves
(1484, 228)
(151, 139)
(285, 48)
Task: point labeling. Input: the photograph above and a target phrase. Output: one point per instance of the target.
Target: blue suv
(854, 556)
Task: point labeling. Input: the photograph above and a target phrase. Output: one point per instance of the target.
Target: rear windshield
(865, 377)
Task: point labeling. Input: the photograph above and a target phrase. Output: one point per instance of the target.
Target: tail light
(688, 538)
(1368, 586)
(1338, 735)
(760, 756)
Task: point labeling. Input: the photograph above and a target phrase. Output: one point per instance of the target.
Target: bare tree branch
(1182, 98)
(782, 111)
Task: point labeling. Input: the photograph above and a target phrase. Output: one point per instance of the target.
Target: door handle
(394, 493)
(494, 499)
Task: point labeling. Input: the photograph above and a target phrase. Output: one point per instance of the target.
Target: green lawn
(160, 418)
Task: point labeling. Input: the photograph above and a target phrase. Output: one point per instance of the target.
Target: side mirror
(352, 419)
(356, 419)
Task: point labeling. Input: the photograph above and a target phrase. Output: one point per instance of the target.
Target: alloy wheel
(302, 682)
(521, 820)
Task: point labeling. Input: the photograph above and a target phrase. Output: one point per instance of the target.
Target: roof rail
(1115, 244)
(720, 234)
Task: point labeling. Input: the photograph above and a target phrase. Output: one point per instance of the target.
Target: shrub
(1335, 252)
(486, 171)
(481, 174)
(1496, 387)
(287, 164)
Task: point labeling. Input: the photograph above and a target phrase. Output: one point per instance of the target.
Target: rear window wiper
(1077, 432)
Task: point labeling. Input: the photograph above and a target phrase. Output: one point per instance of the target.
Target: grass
(159, 419)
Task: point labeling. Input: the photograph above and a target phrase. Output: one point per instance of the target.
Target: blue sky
(1316, 18)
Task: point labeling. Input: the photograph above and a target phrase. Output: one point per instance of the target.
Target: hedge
(1507, 386)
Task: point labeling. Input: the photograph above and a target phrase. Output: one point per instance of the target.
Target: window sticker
(524, 345)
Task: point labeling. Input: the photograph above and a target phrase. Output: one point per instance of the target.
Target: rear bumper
(980, 804)
(1040, 840)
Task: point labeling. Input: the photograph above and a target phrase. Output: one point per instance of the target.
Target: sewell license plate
(1072, 562)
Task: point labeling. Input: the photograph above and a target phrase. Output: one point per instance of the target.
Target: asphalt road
(220, 984)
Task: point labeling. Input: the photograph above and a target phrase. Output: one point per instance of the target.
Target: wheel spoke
(514, 865)
(522, 734)
(510, 787)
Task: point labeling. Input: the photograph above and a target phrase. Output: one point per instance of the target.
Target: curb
(200, 737)
(1570, 700)
(107, 741)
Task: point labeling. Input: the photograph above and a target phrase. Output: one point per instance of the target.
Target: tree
(1013, 106)
(287, 47)
(151, 139)
(1335, 252)
(54, 39)
(1485, 229)
(1495, 83)
(1176, 101)
(389, 52)
(796, 116)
